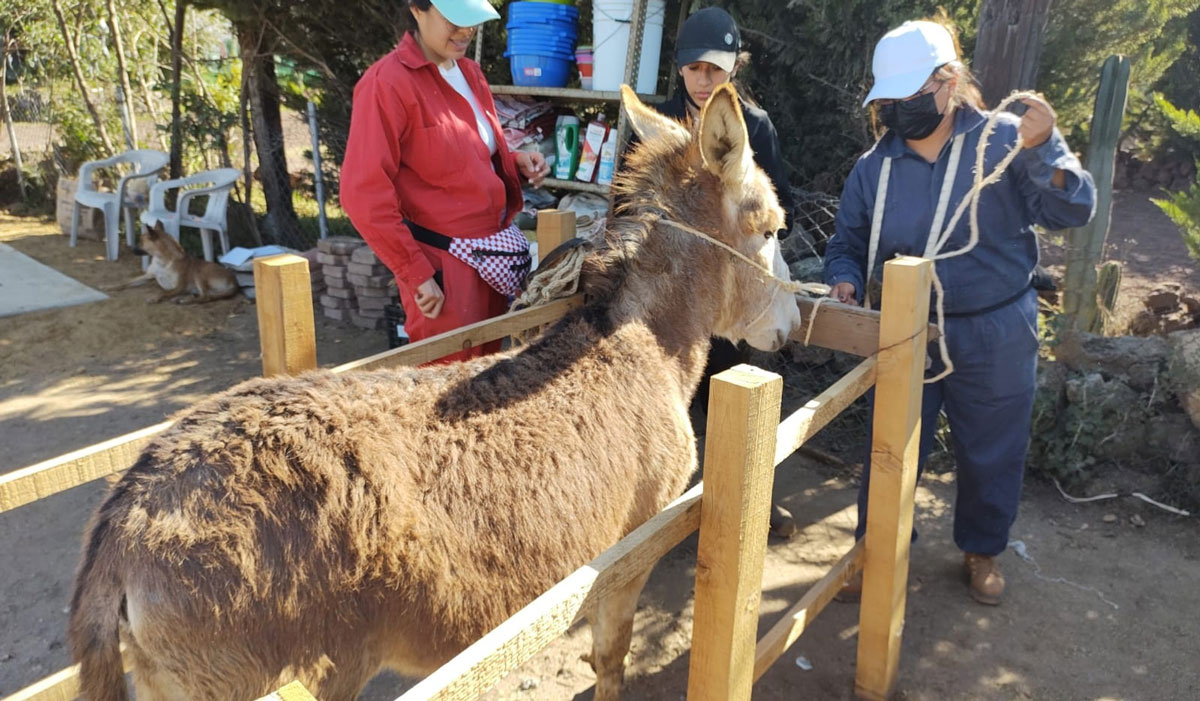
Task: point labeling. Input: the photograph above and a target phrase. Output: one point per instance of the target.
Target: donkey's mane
(654, 167)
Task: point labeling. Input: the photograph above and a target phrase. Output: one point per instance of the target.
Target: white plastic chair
(215, 184)
(146, 163)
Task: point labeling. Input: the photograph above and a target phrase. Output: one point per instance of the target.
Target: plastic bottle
(608, 157)
(593, 140)
(566, 140)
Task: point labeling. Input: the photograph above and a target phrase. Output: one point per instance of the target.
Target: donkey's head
(707, 180)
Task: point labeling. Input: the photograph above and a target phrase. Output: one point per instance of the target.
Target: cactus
(1085, 245)
(1107, 288)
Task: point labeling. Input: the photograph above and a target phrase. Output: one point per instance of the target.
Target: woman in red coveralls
(426, 149)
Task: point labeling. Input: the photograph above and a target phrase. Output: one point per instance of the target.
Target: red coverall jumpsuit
(414, 152)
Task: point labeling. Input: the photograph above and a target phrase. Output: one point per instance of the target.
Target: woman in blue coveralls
(934, 116)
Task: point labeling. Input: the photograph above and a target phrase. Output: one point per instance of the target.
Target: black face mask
(912, 119)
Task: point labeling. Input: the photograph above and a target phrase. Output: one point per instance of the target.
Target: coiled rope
(970, 200)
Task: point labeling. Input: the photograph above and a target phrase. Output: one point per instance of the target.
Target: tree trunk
(247, 169)
(7, 115)
(176, 156)
(145, 88)
(122, 73)
(259, 68)
(73, 57)
(1009, 46)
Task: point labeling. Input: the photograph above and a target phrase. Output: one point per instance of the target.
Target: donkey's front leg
(612, 628)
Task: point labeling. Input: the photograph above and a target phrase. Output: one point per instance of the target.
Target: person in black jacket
(708, 53)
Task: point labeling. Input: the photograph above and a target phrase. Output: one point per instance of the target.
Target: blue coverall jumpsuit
(991, 307)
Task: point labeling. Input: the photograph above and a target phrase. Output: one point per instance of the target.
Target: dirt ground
(1102, 609)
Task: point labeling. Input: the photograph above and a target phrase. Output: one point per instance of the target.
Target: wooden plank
(557, 183)
(739, 446)
(39, 481)
(793, 624)
(63, 685)
(466, 337)
(842, 327)
(897, 436)
(553, 228)
(578, 94)
(286, 332)
(802, 425)
(293, 691)
(477, 669)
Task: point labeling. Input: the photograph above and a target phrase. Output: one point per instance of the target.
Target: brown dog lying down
(178, 273)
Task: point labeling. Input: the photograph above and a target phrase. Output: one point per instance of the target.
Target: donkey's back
(326, 526)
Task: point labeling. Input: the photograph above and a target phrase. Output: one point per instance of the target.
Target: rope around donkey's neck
(563, 279)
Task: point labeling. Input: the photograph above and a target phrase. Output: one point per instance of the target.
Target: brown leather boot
(986, 582)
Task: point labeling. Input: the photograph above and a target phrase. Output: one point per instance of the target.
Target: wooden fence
(744, 444)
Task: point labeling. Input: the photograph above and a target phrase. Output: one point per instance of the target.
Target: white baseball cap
(905, 58)
(466, 13)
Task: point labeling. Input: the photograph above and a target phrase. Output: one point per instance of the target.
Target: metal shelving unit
(632, 60)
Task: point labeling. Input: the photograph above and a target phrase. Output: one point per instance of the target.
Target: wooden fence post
(553, 228)
(739, 460)
(293, 691)
(903, 330)
(283, 294)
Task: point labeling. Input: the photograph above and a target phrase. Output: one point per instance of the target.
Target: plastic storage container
(541, 42)
(610, 34)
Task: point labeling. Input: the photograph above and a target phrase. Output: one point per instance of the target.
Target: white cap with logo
(905, 58)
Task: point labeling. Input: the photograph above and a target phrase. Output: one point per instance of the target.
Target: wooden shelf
(576, 185)
(570, 93)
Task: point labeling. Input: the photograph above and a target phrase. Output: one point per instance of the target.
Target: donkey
(326, 526)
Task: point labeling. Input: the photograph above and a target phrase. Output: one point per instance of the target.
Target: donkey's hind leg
(612, 629)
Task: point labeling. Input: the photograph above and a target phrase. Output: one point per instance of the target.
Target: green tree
(1183, 207)
(1083, 33)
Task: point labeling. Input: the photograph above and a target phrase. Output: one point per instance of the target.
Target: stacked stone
(334, 255)
(374, 288)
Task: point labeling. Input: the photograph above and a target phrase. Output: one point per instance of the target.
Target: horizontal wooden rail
(466, 337)
(116, 455)
(63, 685)
(841, 327)
(796, 429)
(478, 668)
(39, 481)
(781, 636)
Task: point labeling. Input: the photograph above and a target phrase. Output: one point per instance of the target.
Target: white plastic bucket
(610, 39)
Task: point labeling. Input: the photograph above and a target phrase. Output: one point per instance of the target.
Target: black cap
(709, 35)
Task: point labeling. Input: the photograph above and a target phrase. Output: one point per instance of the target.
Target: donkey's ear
(724, 143)
(649, 124)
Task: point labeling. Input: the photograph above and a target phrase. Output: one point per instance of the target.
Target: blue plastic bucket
(534, 70)
(541, 9)
(566, 48)
(526, 40)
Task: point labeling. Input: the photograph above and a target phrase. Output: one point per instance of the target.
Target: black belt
(994, 307)
(429, 237)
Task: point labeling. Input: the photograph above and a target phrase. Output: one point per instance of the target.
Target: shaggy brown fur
(323, 527)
